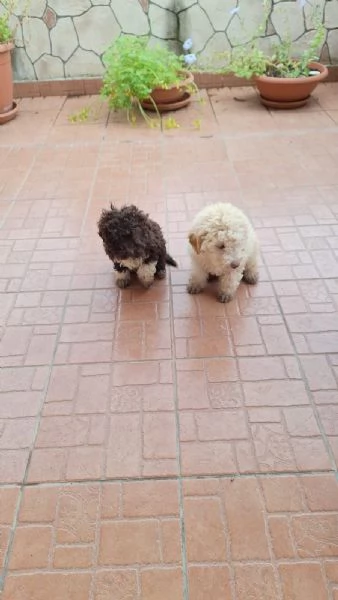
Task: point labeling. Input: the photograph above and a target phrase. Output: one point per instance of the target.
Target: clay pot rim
(189, 78)
(10, 114)
(296, 80)
(6, 46)
(167, 107)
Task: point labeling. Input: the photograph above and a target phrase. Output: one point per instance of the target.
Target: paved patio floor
(153, 445)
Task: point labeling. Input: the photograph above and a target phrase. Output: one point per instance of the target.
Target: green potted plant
(139, 77)
(283, 80)
(8, 108)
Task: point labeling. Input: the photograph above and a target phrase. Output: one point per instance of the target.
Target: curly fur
(223, 244)
(134, 243)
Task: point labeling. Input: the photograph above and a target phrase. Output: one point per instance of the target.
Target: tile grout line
(96, 545)
(14, 200)
(135, 566)
(34, 145)
(269, 541)
(211, 357)
(20, 485)
(179, 464)
(111, 362)
(296, 354)
(280, 133)
(313, 405)
(3, 571)
(94, 177)
(38, 417)
(199, 477)
(58, 335)
(250, 437)
(23, 483)
(185, 576)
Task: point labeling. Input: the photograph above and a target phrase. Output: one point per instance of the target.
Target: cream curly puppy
(223, 245)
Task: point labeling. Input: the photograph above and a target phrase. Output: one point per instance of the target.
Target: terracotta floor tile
(8, 501)
(211, 337)
(55, 585)
(137, 340)
(69, 525)
(256, 581)
(250, 524)
(139, 424)
(98, 422)
(165, 583)
(13, 465)
(38, 540)
(228, 425)
(209, 580)
(303, 580)
(120, 583)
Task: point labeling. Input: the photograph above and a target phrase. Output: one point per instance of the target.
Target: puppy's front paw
(122, 283)
(251, 277)
(224, 297)
(146, 283)
(194, 288)
(160, 274)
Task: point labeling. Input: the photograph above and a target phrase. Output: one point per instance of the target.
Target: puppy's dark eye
(221, 246)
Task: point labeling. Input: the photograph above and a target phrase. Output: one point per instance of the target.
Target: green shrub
(250, 60)
(6, 33)
(134, 69)
(7, 9)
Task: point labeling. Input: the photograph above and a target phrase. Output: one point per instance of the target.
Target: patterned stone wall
(66, 38)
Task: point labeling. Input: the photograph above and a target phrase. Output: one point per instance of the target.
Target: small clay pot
(173, 94)
(288, 92)
(167, 106)
(9, 115)
(7, 109)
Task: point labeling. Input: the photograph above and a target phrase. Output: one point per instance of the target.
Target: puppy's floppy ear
(107, 217)
(102, 223)
(196, 242)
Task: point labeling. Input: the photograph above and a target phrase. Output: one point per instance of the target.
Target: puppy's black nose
(234, 264)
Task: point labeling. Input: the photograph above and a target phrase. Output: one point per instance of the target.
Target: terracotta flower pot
(172, 95)
(288, 92)
(7, 108)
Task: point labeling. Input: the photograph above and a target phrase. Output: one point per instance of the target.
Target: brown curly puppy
(134, 243)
